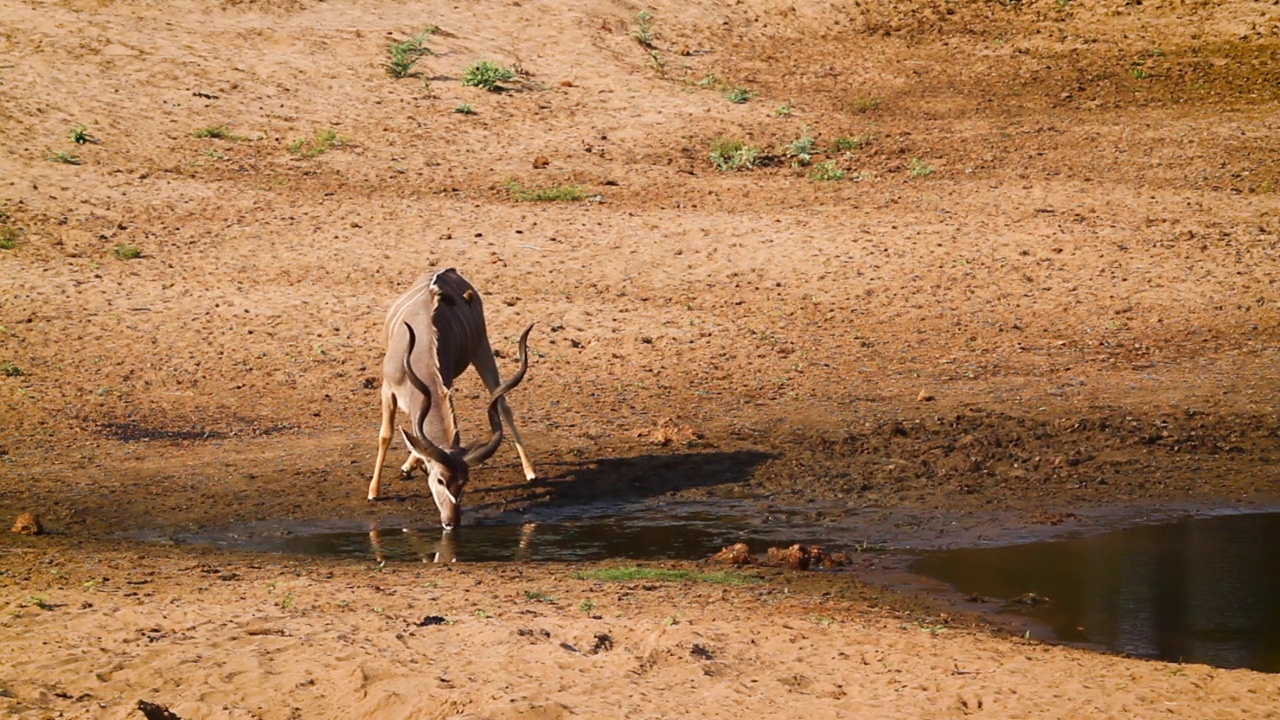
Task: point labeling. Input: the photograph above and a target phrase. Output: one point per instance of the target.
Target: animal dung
(737, 554)
(805, 557)
(796, 557)
(27, 524)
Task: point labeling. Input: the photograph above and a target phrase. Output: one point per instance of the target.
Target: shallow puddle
(677, 531)
(1200, 589)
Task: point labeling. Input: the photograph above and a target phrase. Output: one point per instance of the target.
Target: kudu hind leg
(505, 411)
(487, 368)
(384, 440)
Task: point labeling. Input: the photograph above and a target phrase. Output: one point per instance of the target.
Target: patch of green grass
(322, 142)
(659, 63)
(9, 369)
(1137, 70)
(126, 252)
(559, 193)
(218, 132)
(728, 154)
(487, 74)
(539, 596)
(709, 81)
(39, 601)
(80, 135)
(9, 232)
(587, 605)
(865, 104)
(644, 33)
(783, 110)
(464, 109)
(826, 171)
(919, 168)
(66, 158)
(801, 149)
(631, 574)
(738, 95)
(402, 56)
(853, 144)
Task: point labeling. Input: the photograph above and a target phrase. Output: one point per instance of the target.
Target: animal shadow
(635, 477)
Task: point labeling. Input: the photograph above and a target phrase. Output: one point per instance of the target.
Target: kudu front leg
(384, 440)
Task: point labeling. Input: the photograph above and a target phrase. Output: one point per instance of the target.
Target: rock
(540, 162)
(925, 396)
(27, 524)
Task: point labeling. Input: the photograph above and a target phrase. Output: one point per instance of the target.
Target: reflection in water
(1197, 590)
(604, 538)
(393, 544)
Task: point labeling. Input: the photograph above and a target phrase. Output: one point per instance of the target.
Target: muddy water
(677, 531)
(1201, 589)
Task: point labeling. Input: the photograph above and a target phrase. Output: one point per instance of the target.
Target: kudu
(434, 332)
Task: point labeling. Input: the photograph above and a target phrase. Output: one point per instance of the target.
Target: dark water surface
(1199, 589)
(679, 531)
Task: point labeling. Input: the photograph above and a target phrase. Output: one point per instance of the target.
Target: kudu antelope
(434, 331)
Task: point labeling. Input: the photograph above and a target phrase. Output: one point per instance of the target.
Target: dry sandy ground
(1048, 280)
(223, 638)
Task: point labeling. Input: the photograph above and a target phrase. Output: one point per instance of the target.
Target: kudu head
(449, 468)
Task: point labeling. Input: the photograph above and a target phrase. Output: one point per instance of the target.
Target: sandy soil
(1048, 280)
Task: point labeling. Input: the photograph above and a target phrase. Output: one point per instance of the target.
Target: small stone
(540, 162)
(925, 396)
(27, 524)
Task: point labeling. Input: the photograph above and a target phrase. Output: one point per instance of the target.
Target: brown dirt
(1049, 280)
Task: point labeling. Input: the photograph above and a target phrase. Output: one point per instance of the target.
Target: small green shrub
(802, 149)
(464, 109)
(783, 110)
(402, 56)
(126, 252)
(8, 369)
(80, 135)
(644, 33)
(738, 95)
(826, 171)
(728, 154)
(322, 142)
(486, 74)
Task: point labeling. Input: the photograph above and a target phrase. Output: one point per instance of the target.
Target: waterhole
(1194, 589)
(1198, 589)
(663, 531)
